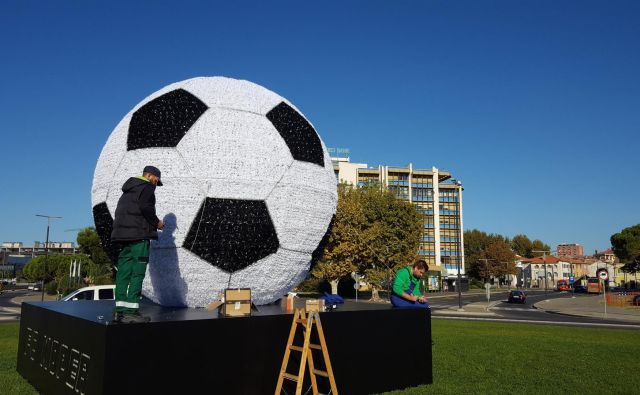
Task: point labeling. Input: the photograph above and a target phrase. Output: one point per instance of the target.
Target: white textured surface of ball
(249, 189)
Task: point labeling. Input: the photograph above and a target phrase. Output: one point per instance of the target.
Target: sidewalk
(33, 297)
(589, 306)
(12, 313)
(468, 310)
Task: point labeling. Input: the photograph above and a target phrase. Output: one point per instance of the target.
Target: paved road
(501, 310)
(10, 312)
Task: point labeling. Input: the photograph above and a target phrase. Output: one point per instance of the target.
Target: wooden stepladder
(308, 322)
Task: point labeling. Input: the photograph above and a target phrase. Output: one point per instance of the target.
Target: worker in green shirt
(406, 287)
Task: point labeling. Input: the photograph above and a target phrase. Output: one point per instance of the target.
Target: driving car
(579, 289)
(95, 292)
(517, 297)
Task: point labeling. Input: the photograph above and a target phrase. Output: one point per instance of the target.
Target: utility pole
(460, 257)
(46, 250)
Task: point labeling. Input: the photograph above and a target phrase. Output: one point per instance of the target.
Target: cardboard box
(237, 302)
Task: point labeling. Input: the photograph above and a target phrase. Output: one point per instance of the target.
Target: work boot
(135, 318)
(117, 317)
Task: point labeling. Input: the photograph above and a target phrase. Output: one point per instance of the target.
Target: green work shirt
(403, 281)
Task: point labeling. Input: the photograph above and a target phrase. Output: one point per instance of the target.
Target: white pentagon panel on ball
(302, 205)
(270, 278)
(177, 217)
(108, 162)
(221, 92)
(239, 152)
(179, 268)
(99, 193)
(164, 283)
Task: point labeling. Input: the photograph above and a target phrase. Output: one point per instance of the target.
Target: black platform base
(69, 348)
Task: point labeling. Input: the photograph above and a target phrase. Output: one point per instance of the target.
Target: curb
(449, 312)
(599, 316)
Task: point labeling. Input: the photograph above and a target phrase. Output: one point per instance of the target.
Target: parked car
(517, 297)
(636, 300)
(562, 285)
(96, 292)
(580, 289)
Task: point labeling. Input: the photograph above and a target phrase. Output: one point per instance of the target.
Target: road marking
(517, 309)
(624, 326)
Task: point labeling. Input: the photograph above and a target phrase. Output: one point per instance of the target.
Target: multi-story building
(38, 248)
(533, 270)
(438, 198)
(606, 256)
(570, 250)
(554, 268)
(14, 255)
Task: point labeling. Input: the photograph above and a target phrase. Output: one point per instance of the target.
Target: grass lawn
(505, 358)
(484, 358)
(10, 381)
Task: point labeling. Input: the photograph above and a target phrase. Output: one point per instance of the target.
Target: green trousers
(132, 265)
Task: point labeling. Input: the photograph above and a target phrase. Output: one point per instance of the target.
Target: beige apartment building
(436, 195)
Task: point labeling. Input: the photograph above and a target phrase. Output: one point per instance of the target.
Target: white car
(96, 292)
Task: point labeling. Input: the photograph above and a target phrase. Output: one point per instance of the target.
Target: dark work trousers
(402, 303)
(132, 265)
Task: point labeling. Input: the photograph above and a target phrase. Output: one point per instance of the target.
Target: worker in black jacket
(134, 225)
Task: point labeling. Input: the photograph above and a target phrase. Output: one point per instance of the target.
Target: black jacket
(135, 217)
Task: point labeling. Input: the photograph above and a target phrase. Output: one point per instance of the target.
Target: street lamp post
(459, 283)
(460, 257)
(46, 249)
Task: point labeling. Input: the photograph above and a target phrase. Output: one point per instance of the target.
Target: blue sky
(534, 105)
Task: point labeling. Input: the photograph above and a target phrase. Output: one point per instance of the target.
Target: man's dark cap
(153, 170)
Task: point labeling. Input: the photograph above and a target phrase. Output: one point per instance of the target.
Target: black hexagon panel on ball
(249, 189)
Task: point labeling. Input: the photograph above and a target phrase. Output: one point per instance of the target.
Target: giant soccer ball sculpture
(249, 190)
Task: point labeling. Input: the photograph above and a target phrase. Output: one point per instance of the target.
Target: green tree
(100, 269)
(522, 245)
(475, 244)
(626, 246)
(496, 260)
(89, 243)
(632, 267)
(373, 234)
(539, 245)
(57, 270)
(344, 247)
(393, 239)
